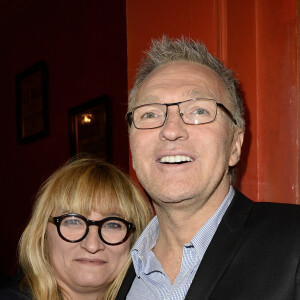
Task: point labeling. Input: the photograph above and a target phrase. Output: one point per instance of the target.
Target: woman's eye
(113, 226)
(72, 222)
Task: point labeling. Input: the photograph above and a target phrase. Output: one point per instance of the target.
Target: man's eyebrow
(148, 99)
(195, 93)
(190, 94)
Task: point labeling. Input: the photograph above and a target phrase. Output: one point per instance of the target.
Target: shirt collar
(203, 237)
(141, 251)
(142, 248)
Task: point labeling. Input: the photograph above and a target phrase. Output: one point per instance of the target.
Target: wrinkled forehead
(178, 81)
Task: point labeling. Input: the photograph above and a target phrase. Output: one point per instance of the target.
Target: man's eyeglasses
(74, 228)
(193, 112)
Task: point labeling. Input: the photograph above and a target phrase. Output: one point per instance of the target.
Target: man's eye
(149, 115)
(200, 111)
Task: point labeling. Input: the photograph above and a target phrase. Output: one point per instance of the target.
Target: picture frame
(32, 103)
(89, 128)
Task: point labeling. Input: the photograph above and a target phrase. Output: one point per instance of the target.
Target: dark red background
(84, 46)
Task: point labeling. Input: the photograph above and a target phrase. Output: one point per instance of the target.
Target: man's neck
(178, 224)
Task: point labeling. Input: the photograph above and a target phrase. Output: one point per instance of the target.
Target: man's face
(211, 147)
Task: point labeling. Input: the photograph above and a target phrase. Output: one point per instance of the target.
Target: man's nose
(92, 242)
(174, 128)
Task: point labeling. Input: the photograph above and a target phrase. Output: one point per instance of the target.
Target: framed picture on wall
(89, 128)
(32, 103)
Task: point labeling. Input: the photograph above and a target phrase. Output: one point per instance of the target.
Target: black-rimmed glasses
(74, 228)
(193, 112)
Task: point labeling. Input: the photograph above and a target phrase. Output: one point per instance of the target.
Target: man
(208, 241)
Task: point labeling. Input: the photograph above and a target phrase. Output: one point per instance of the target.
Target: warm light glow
(86, 118)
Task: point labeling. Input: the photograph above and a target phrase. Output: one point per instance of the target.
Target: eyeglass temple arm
(129, 118)
(51, 219)
(227, 111)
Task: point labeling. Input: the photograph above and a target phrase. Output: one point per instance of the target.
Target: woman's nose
(92, 242)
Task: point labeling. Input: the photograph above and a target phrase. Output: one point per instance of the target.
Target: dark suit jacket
(254, 255)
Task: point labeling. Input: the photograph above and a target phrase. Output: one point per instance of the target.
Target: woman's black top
(11, 290)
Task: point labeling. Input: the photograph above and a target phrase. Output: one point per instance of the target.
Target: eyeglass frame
(129, 115)
(57, 221)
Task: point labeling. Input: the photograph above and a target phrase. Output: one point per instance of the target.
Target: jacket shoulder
(280, 215)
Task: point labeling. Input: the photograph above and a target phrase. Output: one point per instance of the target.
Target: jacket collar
(229, 237)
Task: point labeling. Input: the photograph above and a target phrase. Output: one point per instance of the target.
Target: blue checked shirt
(151, 281)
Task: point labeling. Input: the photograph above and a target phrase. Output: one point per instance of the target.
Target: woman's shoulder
(7, 293)
(12, 290)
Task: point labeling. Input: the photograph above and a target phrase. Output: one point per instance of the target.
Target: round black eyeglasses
(74, 228)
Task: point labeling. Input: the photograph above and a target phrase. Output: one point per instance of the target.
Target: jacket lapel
(126, 284)
(225, 244)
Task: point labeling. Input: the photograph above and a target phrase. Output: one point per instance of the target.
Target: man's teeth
(175, 159)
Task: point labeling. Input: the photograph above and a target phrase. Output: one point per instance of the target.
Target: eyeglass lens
(191, 111)
(73, 228)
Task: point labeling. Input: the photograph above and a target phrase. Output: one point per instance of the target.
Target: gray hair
(169, 50)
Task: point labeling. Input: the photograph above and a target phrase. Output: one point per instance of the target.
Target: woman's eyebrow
(113, 215)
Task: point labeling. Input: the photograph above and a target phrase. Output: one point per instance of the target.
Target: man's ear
(236, 147)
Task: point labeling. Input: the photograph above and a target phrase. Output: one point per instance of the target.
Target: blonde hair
(80, 186)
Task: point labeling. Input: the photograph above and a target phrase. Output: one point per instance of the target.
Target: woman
(86, 217)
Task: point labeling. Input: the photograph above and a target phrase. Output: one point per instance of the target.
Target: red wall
(258, 39)
(84, 46)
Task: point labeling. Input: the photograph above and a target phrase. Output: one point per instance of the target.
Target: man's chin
(171, 199)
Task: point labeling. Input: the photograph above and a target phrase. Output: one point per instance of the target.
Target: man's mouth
(175, 159)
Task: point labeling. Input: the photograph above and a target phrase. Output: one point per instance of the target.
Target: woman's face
(87, 266)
